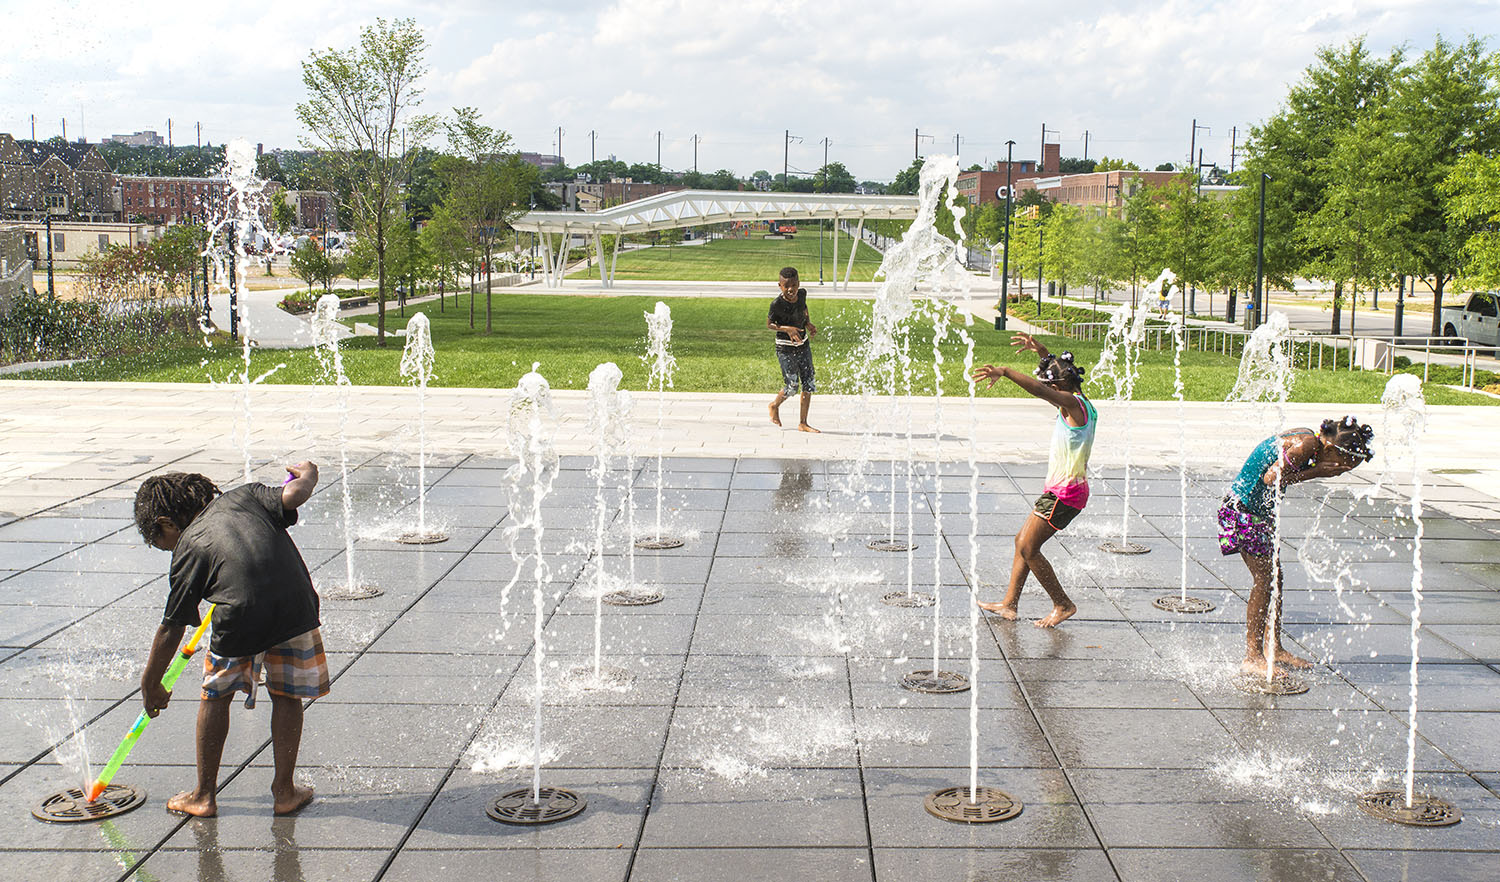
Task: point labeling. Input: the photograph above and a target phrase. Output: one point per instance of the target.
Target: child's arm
(1059, 399)
(163, 647)
(300, 488)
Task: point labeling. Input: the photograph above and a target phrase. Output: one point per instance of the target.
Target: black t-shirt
(789, 314)
(237, 553)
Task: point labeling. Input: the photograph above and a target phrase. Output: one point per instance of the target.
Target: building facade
(1101, 190)
(38, 178)
(147, 138)
(315, 209)
(16, 265)
(172, 200)
(74, 240)
(986, 186)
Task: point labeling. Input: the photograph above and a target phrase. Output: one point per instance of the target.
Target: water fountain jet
(416, 366)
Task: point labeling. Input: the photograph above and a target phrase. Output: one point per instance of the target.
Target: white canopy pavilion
(690, 208)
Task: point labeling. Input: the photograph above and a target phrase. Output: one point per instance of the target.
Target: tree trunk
(471, 296)
(380, 282)
(442, 296)
(1338, 302)
(1437, 304)
(489, 289)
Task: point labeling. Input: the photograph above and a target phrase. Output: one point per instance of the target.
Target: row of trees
(1378, 171)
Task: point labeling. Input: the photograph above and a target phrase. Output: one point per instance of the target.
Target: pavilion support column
(615, 259)
(599, 256)
(547, 259)
(853, 250)
(835, 272)
(560, 267)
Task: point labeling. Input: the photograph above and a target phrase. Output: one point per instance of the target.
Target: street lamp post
(51, 291)
(1010, 146)
(1260, 253)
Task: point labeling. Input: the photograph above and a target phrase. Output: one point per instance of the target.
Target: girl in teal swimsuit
(1247, 518)
(1059, 382)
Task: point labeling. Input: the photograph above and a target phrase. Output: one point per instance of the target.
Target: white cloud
(862, 74)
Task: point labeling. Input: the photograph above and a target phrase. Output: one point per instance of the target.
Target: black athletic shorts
(1055, 512)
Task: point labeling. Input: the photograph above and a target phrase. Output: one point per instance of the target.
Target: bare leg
(806, 403)
(286, 738)
(1006, 608)
(1029, 544)
(213, 729)
(776, 407)
(1257, 613)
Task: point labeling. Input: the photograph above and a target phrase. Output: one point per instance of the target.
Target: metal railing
(1304, 350)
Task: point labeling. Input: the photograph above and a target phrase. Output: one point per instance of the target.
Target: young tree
(1446, 107)
(833, 178)
(360, 261)
(361, 112)
(1473, 191)
(310, 264)
(282, 216)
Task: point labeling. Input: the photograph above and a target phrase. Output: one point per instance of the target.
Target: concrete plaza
(764, 734)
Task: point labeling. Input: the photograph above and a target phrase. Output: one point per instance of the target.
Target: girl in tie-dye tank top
(1059, 382)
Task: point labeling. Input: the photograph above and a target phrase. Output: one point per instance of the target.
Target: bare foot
(1292, 661)
(1254, 664)
(804, 427)
(1004, 611)
(290, 801)
(189, 802)
(1058, 615)
(775, 415)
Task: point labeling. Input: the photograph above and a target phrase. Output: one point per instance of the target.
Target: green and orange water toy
(168, 680)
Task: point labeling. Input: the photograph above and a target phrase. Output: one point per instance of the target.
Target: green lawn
(755, 259)
(721, 345)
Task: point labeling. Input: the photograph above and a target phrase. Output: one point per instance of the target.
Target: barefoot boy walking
(1058, 382)
(794, 333)
(233, 550)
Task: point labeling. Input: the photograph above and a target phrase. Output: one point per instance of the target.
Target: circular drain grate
(1114, 547)
(349, 592)
(608, 679)
(889, 545)
(1425, 811)
(658, 543)
(632, 597)
(988, 806)
(431, 537)
(72, 805)
(516, 807)
(1281, 684)
(943, 683)
(903, 599)
(1179, 604)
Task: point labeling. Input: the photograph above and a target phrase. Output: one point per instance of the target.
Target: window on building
(103, 242)
(59, 243)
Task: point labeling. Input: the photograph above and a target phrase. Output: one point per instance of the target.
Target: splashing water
(609, 426)
(246, 204)
(1407, 408)
(416, 366)
(1179, 343)
(1266, 376)
(325, 330)
(662, 365)
(530, 481)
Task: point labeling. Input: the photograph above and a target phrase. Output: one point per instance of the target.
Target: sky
(865, 75)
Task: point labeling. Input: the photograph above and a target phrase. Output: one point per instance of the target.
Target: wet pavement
(764, 734)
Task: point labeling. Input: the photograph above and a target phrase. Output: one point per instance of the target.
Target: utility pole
(696, 139)
(1234, 132)
(1193, 144)
(593, 135)
(826, 142)
(786, 152)
(169, 137)
(33, 127)
(51, 291)
(1085, 145)
(559, 143)
(199, 127)
(658, 149)
(1005, 254)
(65, 128)
(916, 140)
(955, 145)
(1260, 252)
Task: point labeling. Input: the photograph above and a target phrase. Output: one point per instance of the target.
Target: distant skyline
(865, 75)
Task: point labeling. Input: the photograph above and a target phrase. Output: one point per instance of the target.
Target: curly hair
(1349, 437)
(1060, 368)
(176, 496)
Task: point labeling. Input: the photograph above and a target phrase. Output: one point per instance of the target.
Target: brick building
(51, 177)
(314, 209)
(1095, 189)
(148, 138)
(983, 187)
(171, 200)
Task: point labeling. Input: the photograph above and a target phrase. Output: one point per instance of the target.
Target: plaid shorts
(296, 669)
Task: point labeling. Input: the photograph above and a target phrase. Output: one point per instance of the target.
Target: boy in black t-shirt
(233, 550)
(794, 332)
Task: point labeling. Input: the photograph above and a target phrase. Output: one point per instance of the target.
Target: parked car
(1477, 321)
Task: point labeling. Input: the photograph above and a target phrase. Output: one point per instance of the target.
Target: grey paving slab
(1231, 865)
(764, 734)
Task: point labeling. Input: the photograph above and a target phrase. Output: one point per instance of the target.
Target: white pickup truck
(1477, 321)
